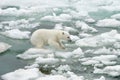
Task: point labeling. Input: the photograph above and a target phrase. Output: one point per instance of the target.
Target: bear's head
(65, 36)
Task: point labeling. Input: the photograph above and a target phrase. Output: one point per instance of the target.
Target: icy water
(8, 60)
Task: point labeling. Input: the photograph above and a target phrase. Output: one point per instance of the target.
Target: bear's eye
(68, 37)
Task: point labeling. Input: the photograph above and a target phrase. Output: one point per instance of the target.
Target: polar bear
(52, 37)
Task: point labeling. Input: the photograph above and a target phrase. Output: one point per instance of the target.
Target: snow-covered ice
(53, 77)
(84, 27)
(54, 18)
(22, 74)
(17, 34)
(108, 23)
(4, 47)
(116, 16)
(77, 53)
(99, 60)
(34, 53)
(105, 50)
(18, 24)
(101, 78)
(110, 70)
(103, 39)
(51, 61)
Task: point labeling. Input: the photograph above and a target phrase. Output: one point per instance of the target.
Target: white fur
(41, 37)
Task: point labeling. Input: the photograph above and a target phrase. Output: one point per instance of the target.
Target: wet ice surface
(93, 53)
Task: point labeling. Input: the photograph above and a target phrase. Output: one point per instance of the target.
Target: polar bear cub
(52, 37)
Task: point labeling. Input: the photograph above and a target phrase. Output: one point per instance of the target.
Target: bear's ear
(63, 33)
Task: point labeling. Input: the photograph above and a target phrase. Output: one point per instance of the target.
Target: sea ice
(54, 18)
(34, 53)
(108, 23)
(89, 20)
(22, 74)
(4, 47)
(105, 50)
(83, 35)
(53, 77)
(68, 29)
(16, 34)
(49, 61)
(101, 78)
(99, 60)
(84, 27)
(77, 53)
(103, 39)
(18, 24)
(74, 38)
(116, 16)
(110, 70)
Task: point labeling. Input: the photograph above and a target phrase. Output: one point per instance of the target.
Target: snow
(110, 70)
(54, 18)
(89, 20)
(34, 53)
(99, 60)
(101, 78)
(22, 74)
(17, 34)
(77, 53)
(74, 38)
(18, 24)
(30, 3)
(58, 26)
(4, 47)
(105, 50)
(108, 23)
(84, 27)
(51, 61)
(54, 77)
(83, 35)
(107, 38)
(116, 16)
(90, 62)
(66, 28)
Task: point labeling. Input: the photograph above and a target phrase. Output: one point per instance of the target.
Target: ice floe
(41, 60)
(100, 60)
(53, 77)
(4, 47)
(16, 34)
(18, 24)
(84, 27)
(116, 16)
(83, 35)
(108, 23)
(77, 53)
(105, 50)
(101, 78)
(103, 39)
(66, 28)
(22, 74)
(54, 18)
(74, 38)
(110, 70)
(34, 53)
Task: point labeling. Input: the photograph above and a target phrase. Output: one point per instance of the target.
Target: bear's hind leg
(40, 45)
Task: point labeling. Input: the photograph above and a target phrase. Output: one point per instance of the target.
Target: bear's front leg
(63, 47)
(55, 44)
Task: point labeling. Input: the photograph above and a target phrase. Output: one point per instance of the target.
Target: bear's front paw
(63, 48)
